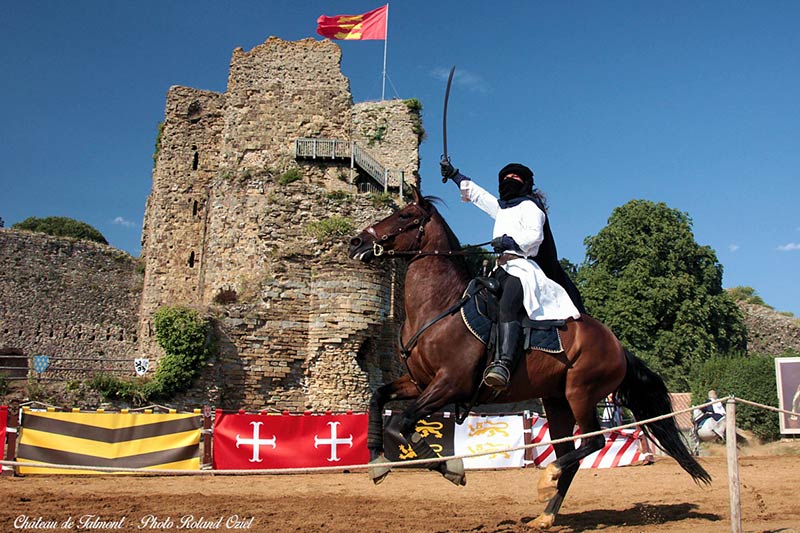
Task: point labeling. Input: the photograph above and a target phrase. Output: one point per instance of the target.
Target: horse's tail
(645, 394)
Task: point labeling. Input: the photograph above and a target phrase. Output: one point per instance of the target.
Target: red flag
(247, 441)
(371, 25)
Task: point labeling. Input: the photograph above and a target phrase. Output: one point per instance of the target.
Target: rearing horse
(445, 361)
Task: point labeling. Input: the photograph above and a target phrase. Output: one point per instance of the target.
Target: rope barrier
(412, 462)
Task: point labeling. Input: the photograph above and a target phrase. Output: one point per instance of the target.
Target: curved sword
(444, 118)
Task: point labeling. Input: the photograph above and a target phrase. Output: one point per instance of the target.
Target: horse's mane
(452, 239)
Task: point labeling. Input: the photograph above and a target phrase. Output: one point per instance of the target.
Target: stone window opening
(195, 160)
(191, 260)
(194, 208)
(193, 112)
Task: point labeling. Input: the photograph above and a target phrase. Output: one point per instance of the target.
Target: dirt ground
(657, 497)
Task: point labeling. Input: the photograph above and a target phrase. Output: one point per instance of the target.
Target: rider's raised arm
(480, 197)
(470, 191)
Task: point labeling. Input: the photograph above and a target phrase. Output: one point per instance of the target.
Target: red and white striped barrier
(623, 448)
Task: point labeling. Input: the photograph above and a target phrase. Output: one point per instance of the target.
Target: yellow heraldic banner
(121, 440)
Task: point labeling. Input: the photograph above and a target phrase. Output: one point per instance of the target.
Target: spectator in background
(709, 421)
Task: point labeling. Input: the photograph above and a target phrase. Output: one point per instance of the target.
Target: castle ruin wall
(300, 325)
(75, 301)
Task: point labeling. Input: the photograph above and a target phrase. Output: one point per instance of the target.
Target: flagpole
(385, 44)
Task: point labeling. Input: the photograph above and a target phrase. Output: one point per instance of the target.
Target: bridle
(418, 222)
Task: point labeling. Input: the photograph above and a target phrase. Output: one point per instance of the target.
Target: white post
(352, 162)
(402, 179)
(385, 44)
(733, 465)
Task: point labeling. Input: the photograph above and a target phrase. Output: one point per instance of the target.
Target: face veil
(510, 189)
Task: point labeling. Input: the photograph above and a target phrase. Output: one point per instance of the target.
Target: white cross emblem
(255, 442)
(333, 441)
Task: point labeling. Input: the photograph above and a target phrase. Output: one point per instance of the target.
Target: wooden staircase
(379, 178)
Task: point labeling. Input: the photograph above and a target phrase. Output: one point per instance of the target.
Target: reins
(379, 250)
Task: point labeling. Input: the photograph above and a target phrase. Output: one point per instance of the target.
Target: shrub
(381, 199)
(413, 104)
(338, 197)
(159, 135)
(747, 295)
(183, 334)
(290, 176)
(62, 227)
(112, 388)
(329, 228)
(748, 377)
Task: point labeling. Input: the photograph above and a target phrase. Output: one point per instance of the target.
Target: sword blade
(444, 117)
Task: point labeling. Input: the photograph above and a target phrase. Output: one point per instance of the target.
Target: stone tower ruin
(254, 191)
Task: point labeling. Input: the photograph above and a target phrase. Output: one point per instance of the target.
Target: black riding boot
(498, 374)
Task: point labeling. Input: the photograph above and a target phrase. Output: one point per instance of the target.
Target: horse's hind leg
(399, 389)
(554, 482)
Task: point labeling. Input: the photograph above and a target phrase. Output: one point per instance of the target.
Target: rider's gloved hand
(505, 244)
(449, 172)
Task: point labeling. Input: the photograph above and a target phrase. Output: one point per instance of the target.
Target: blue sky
(694, 104)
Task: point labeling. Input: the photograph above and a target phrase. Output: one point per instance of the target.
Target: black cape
(547, 257)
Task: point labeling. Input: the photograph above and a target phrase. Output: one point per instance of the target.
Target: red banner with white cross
(263, 441)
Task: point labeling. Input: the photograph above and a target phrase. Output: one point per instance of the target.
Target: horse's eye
(405, 216)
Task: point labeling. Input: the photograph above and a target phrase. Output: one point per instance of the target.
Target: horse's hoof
(543, 521)
(379, 471)
(454, 472)
(548, 482)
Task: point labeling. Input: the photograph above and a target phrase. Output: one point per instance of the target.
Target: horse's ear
(416, 194)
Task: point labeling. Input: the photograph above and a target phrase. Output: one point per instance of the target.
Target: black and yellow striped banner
(122, 440)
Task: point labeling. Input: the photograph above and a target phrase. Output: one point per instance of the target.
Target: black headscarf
(510, 189)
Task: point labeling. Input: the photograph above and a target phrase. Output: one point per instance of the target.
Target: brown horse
(445, 361)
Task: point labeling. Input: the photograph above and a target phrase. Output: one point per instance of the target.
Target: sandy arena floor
(658, 497)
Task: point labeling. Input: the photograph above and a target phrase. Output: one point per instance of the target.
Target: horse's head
(402, 231)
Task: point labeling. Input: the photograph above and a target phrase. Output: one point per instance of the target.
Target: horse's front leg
(399, 389)
(404, 429)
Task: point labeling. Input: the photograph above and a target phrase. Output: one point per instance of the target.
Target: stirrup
(497, 376)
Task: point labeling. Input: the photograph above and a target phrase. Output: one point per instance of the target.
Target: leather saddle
(480, 314)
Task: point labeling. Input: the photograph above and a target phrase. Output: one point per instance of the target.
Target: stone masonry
(75, 301)
(238, 229)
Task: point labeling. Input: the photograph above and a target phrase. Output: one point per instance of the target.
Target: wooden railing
(306, 148)
(322, 148)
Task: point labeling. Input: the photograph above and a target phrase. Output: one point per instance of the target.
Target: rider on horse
(528, 268)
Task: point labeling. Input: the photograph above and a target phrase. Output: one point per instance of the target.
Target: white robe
(544, 299)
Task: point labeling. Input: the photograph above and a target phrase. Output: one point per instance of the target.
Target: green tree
(660, 292)
(62, 227)
(570, 268)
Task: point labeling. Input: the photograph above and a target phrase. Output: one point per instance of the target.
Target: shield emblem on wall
(41, 362)
(140, 364)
